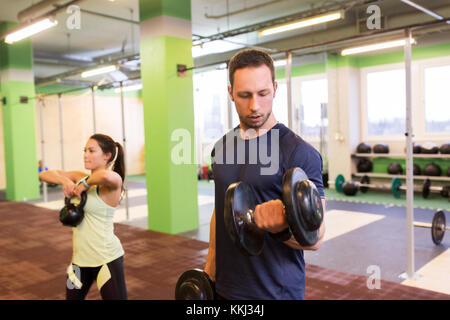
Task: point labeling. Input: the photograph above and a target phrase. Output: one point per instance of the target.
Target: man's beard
(256, 125)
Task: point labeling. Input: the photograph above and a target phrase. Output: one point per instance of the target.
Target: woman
(97, 252)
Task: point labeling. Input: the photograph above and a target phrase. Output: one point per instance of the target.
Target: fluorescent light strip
(302, 23)
(134, 87)
(429, 12)
(279, 63)
(98, 71)
(425, 10)
(374, 47)
(30, 30)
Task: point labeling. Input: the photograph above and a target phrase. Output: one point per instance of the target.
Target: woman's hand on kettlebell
(68, 189)
(78, 190)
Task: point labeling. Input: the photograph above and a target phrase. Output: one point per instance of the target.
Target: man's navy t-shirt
(279, 272)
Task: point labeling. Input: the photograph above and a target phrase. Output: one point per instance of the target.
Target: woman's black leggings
(113, 289)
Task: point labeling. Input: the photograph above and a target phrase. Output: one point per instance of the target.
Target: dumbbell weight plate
(426, 188)
(364, 180)
(194, 284)
(339, 182)
(240, 197)
(445, 192)
(303, 206)
(438, 227)
(396, 184)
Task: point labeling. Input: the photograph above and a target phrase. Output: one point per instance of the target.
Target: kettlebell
(72, 215)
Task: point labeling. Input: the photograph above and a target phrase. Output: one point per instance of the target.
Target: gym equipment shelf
(390, 176)
(400, 155)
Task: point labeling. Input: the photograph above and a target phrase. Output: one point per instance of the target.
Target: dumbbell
(194, 284)
(303, 205)
(428, 188)
(365, 184)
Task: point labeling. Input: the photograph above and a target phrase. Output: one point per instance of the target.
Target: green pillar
(166, 40)
(19, 125)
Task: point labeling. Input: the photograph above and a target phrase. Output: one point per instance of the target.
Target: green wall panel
(380, 165)
(19, 131)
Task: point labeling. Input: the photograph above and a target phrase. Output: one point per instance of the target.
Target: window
(280, 104)
(312, 111)
(210, 101)
(386, 106)
(210, 108)
(437, 99)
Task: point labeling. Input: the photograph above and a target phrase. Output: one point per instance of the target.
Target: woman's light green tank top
(94, 241)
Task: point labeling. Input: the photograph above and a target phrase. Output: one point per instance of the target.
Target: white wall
(78, 127)
(343, 119)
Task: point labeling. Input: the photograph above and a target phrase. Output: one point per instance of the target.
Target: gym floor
(359, 237)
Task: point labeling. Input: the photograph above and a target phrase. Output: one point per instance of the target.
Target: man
(279, 271)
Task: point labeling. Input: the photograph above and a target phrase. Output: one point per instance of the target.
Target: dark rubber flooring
(35, 250)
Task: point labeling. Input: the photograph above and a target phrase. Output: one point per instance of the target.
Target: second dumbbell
(303, 205)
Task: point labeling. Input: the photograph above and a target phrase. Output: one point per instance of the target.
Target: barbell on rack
(396, 186)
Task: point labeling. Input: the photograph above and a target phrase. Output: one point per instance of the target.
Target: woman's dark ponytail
(119, 165)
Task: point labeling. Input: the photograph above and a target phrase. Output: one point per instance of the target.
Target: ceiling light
(29, 30)
(134, 87)
(98, 71)
(429, 12)
(376, 46)
(332, 16)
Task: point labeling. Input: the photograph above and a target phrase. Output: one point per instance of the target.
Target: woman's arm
(108, 178)
(65, 178)
(61, 177)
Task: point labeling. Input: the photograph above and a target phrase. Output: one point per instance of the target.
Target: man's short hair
(250, 58)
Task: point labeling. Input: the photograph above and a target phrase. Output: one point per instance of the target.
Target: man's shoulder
(295, 148)
(291, 141)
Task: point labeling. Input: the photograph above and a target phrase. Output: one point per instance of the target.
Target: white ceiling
(97, 36)
(100, 37)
